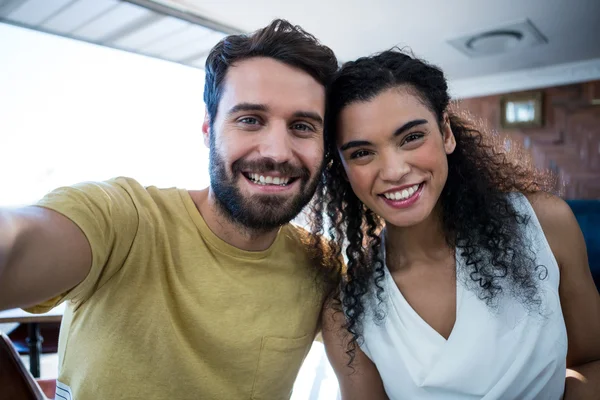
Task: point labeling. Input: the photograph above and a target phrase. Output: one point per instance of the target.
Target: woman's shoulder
(556, 220)
(552, 211)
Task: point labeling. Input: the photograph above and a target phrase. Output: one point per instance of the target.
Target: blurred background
(93, 89)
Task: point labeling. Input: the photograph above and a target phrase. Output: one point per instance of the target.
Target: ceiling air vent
(500, 40)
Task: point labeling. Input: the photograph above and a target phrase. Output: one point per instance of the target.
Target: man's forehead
(261, 67)
(272, 83)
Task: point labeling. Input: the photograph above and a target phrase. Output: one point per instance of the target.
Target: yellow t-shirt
(170, 311)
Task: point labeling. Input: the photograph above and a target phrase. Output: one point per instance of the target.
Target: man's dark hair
(281, 41)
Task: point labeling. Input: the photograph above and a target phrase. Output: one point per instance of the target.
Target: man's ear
(206, 128)
(448, 135)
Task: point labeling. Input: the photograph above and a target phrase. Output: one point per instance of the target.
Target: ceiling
(154, 30)
(352, 28)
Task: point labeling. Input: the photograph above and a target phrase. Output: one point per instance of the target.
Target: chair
(587, 213)
(49, 332)
(16, 382)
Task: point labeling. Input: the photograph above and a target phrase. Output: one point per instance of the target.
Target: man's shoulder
(301, 236)
(133, 186)
(103, 188)
(138, 192)
(114, 198)
(294, 231)
(316, 246)
(126, 183)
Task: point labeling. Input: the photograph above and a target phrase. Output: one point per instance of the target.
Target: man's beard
(258, 212)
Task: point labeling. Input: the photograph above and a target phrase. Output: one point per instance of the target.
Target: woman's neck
(423, 244)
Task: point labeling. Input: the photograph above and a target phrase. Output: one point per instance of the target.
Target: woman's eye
(412, 137)
(359, 154)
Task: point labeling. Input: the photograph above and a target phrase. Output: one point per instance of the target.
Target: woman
(464, 275)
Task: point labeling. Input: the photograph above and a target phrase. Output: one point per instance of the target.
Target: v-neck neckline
(414, 313)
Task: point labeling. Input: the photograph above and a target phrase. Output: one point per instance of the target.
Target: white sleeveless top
(507, 354)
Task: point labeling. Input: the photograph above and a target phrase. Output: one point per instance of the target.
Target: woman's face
(394, 155)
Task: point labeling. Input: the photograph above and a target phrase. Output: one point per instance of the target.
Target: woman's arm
(578, 295)
(359, 381)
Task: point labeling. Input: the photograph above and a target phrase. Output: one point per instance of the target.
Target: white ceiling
(168, 29)
(155, 31)
(354, 28)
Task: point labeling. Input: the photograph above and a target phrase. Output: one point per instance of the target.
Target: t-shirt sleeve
(106, 213)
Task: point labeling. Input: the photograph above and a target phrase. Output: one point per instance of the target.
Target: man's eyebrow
(315, 117)
(309, 115)
(247, 107)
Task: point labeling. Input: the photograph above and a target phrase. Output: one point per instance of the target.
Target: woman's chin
(407, 219)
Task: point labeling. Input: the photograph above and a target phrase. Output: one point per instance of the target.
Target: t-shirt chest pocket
(279, 360)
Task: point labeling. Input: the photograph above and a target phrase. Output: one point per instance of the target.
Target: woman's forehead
(385, 112)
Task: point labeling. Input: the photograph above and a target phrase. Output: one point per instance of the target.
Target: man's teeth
(402, 194)
(269, 180)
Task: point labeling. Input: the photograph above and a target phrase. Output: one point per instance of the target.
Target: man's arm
(42, 254)
(359, 381)
(578, 295)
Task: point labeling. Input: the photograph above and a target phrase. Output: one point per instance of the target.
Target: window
(73, 111)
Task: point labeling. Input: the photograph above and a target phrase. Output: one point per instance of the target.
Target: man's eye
(249, 121)
(302, 127)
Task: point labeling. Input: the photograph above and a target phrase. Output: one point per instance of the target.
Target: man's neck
(227, 230)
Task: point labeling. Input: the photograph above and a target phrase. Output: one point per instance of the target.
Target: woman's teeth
(402, 194)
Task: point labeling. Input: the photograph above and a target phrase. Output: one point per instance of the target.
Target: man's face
(266, 142)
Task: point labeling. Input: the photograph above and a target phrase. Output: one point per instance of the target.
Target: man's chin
(261, 225)
(265, 211)
(270, 218)
(264, 202)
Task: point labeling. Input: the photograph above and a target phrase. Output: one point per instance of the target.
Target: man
(205, 294)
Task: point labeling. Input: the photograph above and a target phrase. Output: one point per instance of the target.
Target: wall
(568, 142)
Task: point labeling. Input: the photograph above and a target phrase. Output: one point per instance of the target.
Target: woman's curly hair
(477, 215)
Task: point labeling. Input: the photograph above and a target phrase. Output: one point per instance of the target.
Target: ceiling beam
(186, 16)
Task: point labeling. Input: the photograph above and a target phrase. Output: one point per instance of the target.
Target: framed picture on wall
(521, 110)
